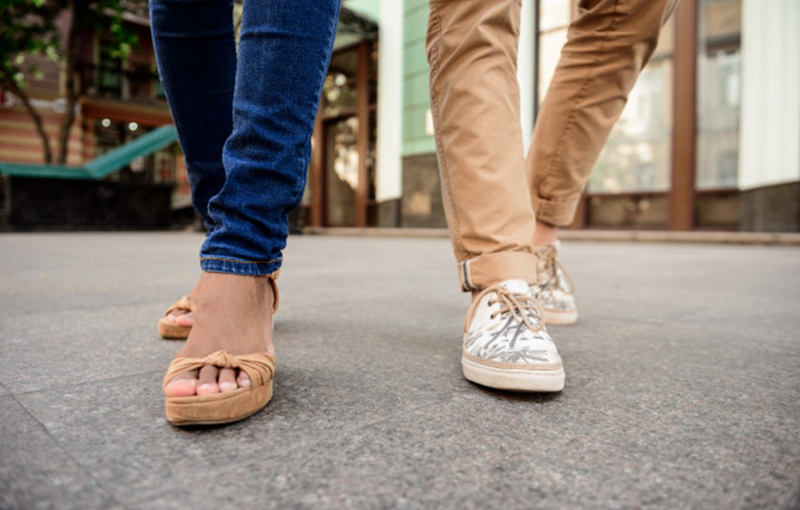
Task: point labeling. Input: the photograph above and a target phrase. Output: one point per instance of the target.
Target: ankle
(253, 288)
(545, 233)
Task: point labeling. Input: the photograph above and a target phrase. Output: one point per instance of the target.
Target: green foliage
(29, 27)
(106, 15)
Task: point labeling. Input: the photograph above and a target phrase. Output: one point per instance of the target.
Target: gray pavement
(683, 383)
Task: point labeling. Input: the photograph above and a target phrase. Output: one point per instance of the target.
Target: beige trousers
(492, 196)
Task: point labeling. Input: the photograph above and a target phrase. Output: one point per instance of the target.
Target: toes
(243, 380)
(184, 319)
(208, 379)
(227, 380)
(183, 385)
(207, 382)
(181, 317)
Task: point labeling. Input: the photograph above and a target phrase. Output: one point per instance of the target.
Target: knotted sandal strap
(183, 303)
(259, 367)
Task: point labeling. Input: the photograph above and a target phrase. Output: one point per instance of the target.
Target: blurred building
(710, 137)
(118, 102)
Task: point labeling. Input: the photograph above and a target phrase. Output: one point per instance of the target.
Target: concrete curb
(647, 236)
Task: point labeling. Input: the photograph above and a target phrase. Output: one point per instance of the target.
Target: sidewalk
(683, 383)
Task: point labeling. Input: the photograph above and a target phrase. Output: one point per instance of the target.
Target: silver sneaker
(554, 288)
(506, 345)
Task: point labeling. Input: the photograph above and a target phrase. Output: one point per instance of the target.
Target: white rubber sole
(560, 318)
(513, 379)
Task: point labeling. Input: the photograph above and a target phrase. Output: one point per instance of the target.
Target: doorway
(342, 177)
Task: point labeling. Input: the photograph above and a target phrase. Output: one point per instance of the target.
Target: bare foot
(232, 313)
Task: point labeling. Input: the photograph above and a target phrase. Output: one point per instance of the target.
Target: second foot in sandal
(177, 322)
(225, 370)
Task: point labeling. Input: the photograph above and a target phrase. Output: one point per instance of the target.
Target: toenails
(206, 381)
(228, 386)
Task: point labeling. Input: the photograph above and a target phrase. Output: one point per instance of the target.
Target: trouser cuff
(238, 267)
(487, 270)
(559, 214)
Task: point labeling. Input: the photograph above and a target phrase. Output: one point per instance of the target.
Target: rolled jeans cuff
(487, 270)
(239, 267)
(558, 214)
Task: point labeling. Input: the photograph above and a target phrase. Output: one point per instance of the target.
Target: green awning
(353, 28)
(99, 167)
(44, 171)
(121, 156)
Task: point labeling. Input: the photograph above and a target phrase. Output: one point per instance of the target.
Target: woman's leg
(284, 51)
(283, 56)
(190, 39)
(196, 54)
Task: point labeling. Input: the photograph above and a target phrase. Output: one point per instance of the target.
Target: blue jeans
(245, 129)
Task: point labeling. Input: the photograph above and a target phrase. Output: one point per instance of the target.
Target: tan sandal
(229, 406)
(168, 329)
(224, 407)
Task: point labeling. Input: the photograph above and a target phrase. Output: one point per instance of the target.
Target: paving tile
(70, 346)
(117, 429)
(86, 270)
(492, 450)
(36, 472)
(682, 382)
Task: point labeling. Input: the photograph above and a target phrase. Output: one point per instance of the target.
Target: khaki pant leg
(607, 47)
(472, 52)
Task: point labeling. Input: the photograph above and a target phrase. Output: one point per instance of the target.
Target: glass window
(109, 71)
(628, 210)
(339, 89)
(636, 156)
(550, 44)
(554, 18)
(718, 84)
(553, 14)
(337, 187)
(342, 171)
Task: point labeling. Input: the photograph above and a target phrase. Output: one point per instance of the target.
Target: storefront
(340, 191)
(707, 141)
(672, 159)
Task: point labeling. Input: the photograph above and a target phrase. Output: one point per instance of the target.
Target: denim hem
(239, 267)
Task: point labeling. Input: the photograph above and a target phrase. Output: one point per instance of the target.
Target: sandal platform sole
(170, 331)
(218, 408)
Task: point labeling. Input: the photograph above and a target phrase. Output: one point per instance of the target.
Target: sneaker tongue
(516, 286)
